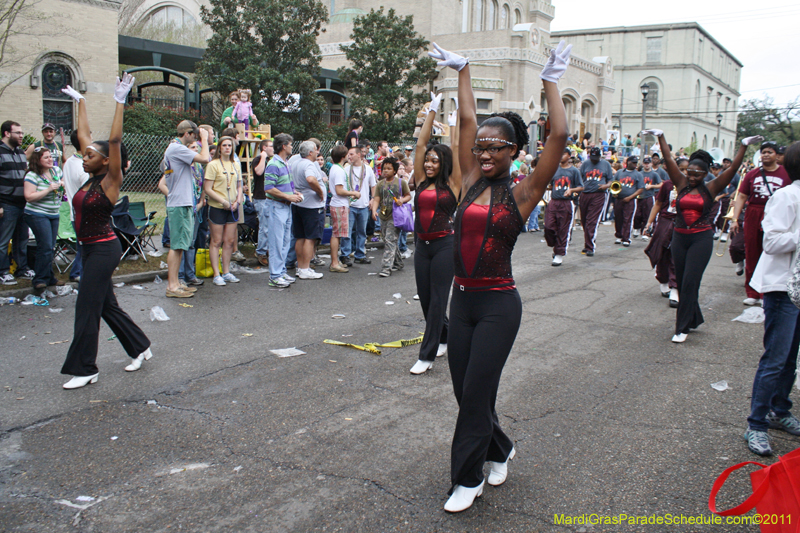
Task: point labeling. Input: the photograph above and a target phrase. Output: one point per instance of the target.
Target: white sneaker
(8, 279)
(28, 274)
(219, 280)
(739, 268)
(463, 498)
(636, 233)
(716, 234)
(645, 238)
(136, 364)
(679, 337)
(498, 472)
(664, 289)
(307, 273)
(420, 367)
(618, 241)
(230, 278)
(442, 350)
(557, 260)
(406, 254)
(723, 237)
(416, 297)
(751, 301)
(289, 279)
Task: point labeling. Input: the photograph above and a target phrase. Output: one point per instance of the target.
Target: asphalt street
(216, 433)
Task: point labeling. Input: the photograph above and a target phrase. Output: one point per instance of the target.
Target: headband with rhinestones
(494, 139)
(96, 150)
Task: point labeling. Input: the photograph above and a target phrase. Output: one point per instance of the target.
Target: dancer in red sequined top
(100, 249)
(485, 310)
(438, 183)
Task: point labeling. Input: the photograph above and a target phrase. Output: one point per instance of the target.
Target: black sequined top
(492, 268)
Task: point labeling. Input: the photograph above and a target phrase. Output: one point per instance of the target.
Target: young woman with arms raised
(100, 250)
(438, 185)
(692, 238)
(486, 309)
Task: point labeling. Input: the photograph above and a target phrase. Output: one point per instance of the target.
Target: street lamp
(719, 124)
(645, 89)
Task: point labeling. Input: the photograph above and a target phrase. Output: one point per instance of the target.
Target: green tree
(388, 68)
(763, 117)
(269, 47)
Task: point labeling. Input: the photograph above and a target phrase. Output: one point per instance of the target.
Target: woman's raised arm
(424, 137)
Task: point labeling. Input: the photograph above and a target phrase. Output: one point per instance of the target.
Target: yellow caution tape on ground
(372, 347)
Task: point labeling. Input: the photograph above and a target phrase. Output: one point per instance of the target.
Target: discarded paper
(288, 352)
(338, 316)
(157, 313)
(120, 284)
(720, 385)
(751, 315)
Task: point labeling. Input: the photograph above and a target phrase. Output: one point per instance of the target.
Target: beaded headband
(494, 139)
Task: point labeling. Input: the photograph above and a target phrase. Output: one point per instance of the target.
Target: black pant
(691, 253)
(433, 268)
(483, 326)
(96, 300)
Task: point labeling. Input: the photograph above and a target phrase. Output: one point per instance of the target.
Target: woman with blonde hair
(223, 186)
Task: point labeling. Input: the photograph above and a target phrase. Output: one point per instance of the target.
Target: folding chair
(145, 222)
(66, 240)
(126, 229)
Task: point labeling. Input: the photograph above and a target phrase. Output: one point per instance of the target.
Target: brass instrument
(728, 217)
(615, 188)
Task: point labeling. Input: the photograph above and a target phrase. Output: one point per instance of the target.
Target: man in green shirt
(56, 148)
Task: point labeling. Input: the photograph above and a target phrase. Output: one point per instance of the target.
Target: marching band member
(597, 175)
(625, 203)
(560, 212)
(658, 249)
(652, 182)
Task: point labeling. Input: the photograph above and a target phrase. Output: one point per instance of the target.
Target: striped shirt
(51, 203)
(13, 165)
(276, 176)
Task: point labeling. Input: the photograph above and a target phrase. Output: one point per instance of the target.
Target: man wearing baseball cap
(56, 149)
(178, 160)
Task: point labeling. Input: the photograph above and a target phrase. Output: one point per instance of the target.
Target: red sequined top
(434, 212)
(485, 237)
(93, 213)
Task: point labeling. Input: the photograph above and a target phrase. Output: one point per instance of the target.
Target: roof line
(650, 27)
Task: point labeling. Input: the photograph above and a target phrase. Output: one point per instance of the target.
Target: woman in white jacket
(770, 405)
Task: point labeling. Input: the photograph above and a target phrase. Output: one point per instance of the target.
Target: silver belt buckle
(461, 287)
(427, 242)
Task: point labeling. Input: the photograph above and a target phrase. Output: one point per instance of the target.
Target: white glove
(452, 118)
(435, 102)
(657, 133)
(72, 93)
(448, 59)
(557, 64)
(755, 139)
(123, 87)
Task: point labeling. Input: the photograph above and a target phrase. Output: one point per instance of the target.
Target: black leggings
(433, 268)
(96, 300)
(691, 253)
(483, 326)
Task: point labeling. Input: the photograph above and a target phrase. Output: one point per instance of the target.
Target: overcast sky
(766, 40)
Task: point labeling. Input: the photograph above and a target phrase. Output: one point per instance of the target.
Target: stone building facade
(693, 80)
(76, 44)
(508, 43)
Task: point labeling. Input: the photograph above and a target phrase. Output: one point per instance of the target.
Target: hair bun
(703, 156)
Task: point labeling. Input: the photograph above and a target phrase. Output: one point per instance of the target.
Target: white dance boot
(463, 498)
(80, 381)
(136, 364)
(498, 472)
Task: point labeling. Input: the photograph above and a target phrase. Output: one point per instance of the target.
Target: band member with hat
(560, 214)
(597, 175)
(625, 203)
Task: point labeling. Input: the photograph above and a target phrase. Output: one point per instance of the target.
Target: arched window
(477, 21)
(505, 15)
(492, 18)
(57, 107)
(652, 97)
(705, 142)
(172, 16)
(723, 146)
(517, 17)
